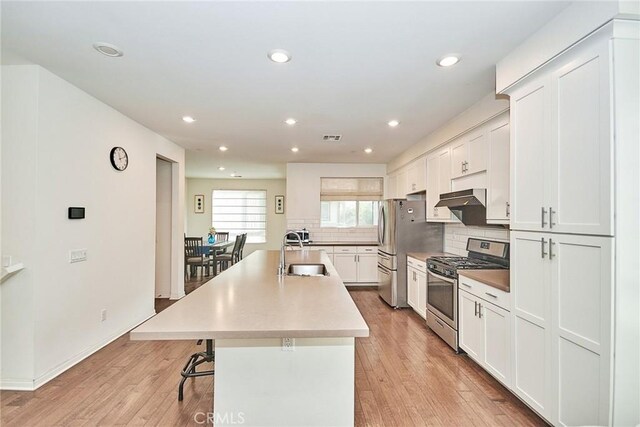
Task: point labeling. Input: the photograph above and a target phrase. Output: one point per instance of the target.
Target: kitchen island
(248, 310)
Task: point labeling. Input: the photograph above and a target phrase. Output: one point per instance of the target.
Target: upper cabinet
(417, 176)
(469, 154)
(498, 202)
(438, 182)
(561, 146)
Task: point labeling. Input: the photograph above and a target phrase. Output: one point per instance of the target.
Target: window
(349, 213)
(350, 202)
(240, 211)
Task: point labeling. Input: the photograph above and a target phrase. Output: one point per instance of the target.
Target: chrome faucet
(282, 266)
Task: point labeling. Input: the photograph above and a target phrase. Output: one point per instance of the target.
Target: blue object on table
(212, 239)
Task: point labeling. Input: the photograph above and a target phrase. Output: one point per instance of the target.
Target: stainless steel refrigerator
(402, 228)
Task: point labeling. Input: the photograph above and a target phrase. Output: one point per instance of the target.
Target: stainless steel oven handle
(444, 279)
(383, 271)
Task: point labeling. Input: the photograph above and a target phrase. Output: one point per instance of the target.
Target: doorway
(164, 205)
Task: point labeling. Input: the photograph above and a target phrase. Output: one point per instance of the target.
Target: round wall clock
(119, 158)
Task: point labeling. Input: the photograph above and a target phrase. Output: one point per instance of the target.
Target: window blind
(240, 211)
(332, 189)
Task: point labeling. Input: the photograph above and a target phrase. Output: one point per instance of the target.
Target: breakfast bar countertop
(250, 300)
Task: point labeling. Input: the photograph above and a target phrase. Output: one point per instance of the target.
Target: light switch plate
(6, 261)
(77, 255)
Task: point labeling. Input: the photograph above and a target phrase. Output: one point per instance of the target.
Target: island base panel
(263, 385)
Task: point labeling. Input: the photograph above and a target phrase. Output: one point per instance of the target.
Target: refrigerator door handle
(381, 225)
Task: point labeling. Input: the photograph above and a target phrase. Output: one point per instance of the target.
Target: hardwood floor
(405, 375)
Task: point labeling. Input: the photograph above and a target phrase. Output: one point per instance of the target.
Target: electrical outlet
(77, 255)
(103, 314)
(288, 344)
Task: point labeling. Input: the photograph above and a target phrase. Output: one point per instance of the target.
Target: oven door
(442, 298)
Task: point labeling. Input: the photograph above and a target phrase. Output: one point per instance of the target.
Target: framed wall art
(198, 203)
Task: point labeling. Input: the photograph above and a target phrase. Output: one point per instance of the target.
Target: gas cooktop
(468, 263)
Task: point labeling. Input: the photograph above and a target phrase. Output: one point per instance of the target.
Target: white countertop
(249, 300)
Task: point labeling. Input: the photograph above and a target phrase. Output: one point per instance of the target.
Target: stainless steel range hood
(467, 205)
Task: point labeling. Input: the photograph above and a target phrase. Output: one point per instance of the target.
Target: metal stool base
(196, 359)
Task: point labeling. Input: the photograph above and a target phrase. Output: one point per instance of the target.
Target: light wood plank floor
(405, 375)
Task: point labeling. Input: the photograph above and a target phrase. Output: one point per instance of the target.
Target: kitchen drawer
(488, 293)
(345, 249)
(417, 264)
(367, 249)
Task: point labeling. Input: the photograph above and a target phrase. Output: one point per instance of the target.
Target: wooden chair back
(222, 236)
(193, 247)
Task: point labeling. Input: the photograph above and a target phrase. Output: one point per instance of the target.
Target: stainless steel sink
(307, 270)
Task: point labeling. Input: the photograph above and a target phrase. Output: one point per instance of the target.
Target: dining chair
(222, 236)
(194, 255)
(241, 252)
(231, 258)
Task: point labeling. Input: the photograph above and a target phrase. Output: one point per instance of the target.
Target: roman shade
(351, 189)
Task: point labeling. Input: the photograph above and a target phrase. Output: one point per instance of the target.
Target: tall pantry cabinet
(563, 239)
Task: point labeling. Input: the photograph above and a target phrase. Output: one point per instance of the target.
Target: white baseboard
(27, 385)
(354, 285)
(177, 296)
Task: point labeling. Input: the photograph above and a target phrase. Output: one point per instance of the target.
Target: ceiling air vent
(332, 138)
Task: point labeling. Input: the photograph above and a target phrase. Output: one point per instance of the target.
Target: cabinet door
(433, 187)
(458, 158)
(498, 172)
(470, 326)
(346, 266)
(368, 268)
(530, 117)
(422, 294)
(421, 174)
(476, 152)
(412, 178)
(497, 342)
(412, 288)
(582, 148)
(402, 184)
(531, 320)
(444, 183)
(582, 296)
(392, 184)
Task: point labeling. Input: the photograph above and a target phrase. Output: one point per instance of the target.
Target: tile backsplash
(456, 236)
(333, 234)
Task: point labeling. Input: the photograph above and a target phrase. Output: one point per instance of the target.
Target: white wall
(198, 224)
(56, 143)
(303, 198)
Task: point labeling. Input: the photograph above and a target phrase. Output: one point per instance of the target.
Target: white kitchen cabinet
(392, 186)
(561, 326)
(484, 328)
(562, 145)
(498, 205)
(417, 286)
(438, 182)
(346, 266)
(416, 176)
(402, 184)
(469, 154)
(367, 268)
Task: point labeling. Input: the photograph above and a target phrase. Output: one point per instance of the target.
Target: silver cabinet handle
(491, 295)
(508, 208)
(543, 253)
(480, 310)
(551, 223)
(551, 255)
(543, 213)
(466, 284)
(466, 166)
(475, 310)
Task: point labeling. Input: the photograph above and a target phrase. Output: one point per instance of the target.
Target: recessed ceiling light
(368, 150)
(291, 122)
(188, 119)
(222, 148)
(448, 60)
(233, 174)
(279, 55)
(393, 123)
(295, 149)
(108, 49)
(221, 168)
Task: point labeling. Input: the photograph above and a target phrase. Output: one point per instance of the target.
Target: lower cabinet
(356, 264)
(417, 286)
(485, 329)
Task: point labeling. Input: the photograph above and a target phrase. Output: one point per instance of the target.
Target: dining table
(213, 249)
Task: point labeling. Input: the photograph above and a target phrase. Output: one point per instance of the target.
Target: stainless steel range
(442, 283)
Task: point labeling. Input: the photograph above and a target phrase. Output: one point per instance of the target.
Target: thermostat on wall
(76, 213)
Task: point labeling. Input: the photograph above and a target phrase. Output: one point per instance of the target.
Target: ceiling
(354, 67)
